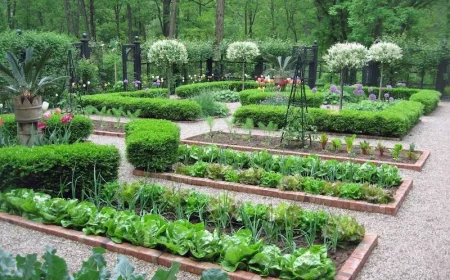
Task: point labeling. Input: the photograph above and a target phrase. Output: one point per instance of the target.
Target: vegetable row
(312, 166)
(237, 251)
(271, 179)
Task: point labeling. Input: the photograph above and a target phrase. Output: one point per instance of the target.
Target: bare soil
(271, 142)
(108, 126)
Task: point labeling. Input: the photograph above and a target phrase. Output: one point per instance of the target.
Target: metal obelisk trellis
(297, 106)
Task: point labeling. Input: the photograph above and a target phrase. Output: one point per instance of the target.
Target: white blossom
(242, 51)
(385, 52)
(345, 55)
(165, 52)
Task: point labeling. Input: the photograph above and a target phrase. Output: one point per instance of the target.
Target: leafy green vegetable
(162, 274)
(80, 215)
(214, 274)
(54, 210)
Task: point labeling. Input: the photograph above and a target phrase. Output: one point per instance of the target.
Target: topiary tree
(166, 53)
(242, 52)
(343, 56)
(384, 53)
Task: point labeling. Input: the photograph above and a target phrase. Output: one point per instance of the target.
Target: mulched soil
(272, 142)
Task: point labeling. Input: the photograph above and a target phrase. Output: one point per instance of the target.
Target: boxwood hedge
(254, 96)
(191, 90)
(158, 108)
(152, 144)
(48, 168)
(81, 127)
(429, 98)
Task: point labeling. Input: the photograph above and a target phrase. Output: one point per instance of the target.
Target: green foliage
(397, 150)
(369, 105)
(187, 91)
(253, 96)
(176, 110)
(349, 143)
(429, 98)
(152, 144)
(145, 93)
(209, 106)
(48, 168)
(336, 144)
(87, 71)
(226, 96)
(395, 121)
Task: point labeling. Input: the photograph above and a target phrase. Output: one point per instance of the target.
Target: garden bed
(389, 209)
(349, 269)
(273, 145)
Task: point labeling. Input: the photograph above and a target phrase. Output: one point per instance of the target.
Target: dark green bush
(191, 90)
(81, 127)
(46, 168)
(252, 96)
(146, 93)
(429, 98)
(395, 121)
(152, 144)
(397, 92)
(158, 108)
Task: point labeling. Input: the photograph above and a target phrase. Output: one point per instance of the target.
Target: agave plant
(281, 66)
(24, 79)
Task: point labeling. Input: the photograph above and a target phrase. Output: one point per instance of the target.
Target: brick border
(108, 133)
(357, 205)
(349, 270)
(417, 166)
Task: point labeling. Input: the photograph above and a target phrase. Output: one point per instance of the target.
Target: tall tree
(220, 16)
(130, 22)
(82, 7)
(92, 19)
(68, 12)
(173, 20)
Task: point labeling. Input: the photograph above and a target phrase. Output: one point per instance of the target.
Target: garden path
(415, 244)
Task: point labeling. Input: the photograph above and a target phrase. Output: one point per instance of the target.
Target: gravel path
(415, 244)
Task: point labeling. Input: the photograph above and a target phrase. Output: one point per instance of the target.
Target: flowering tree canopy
(345, 55)
(165, 52)
(242, 51)
(385, 52)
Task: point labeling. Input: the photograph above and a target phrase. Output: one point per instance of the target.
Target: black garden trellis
(296, 123)
(132, 53)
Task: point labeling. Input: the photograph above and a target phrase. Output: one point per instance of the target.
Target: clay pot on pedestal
(28, 113)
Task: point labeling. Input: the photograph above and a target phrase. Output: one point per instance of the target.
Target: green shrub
(210, 107)
(46, 168)
(152, 144)
(81, 127)
(395, 121)
(158, 108)
(146, 93)
(191, 90)
(429, 98)
(253, 96)
(397, 92)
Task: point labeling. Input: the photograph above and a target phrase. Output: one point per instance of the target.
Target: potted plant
(281, 71)
(24, 85)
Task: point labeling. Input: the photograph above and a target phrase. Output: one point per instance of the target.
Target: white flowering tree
(385, 53)
(165, 54)
(242, 52)
(343, 56)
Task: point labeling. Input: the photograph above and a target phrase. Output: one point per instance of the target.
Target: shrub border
(417, 166)
(357, 205)
(348, 271)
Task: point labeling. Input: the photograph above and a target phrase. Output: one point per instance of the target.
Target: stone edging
(349, 270)
(357, 205)
(417, 166)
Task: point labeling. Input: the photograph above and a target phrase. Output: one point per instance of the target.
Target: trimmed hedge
(187, 91)
(152, 144)
(394, 121)
(398, 92)
(146, 93)
(429, 98)
(47, 168)
(81, 127)
(252, 96)
(158, 108)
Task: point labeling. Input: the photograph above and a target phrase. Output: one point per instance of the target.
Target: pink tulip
(41, 126)
(47, 115)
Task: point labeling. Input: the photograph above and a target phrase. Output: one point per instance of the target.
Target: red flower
(41, 126)
(66, 119)
(283, 83)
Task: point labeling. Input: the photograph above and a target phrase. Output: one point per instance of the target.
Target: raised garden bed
(273, 145)
(348, 271)
(389, 209)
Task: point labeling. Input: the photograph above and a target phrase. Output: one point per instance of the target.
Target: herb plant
(365, 146)
(349, 143)
(336, 145)
(323, 140)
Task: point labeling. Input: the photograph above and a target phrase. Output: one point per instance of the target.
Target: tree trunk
(8, 13)
(76, 21)
(69, 22)
(243, 75)
(92, 20)
(342, 90)
(117, 9)
(82, 7)
(130, 23)
(166, 18)
(173, 20)
(220, 13)
(169, 79)
(380, 89)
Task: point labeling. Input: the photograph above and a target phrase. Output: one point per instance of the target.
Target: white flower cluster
(165, 52)
(242, 51)
(345, 55)
(385, 52)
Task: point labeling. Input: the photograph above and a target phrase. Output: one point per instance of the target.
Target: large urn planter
(27, 113)
(277, 79)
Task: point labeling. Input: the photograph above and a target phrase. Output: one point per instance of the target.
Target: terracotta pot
(27, 116)
(277, 79)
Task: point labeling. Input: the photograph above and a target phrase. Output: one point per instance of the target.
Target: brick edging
(109, 133)
(349, 270)
(357, 205)
(417, 166)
